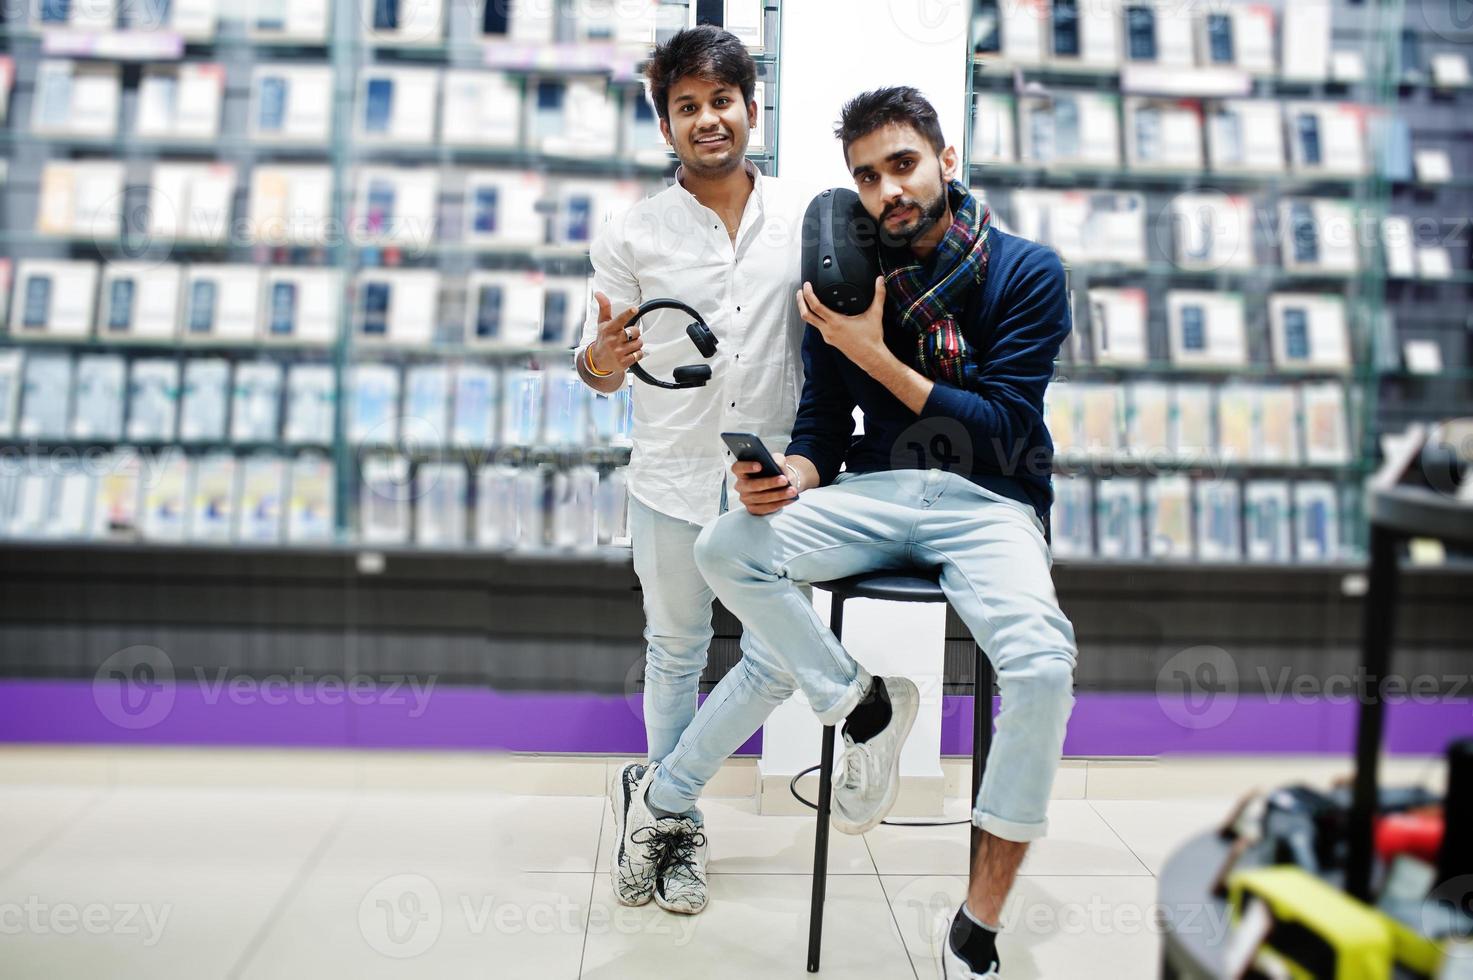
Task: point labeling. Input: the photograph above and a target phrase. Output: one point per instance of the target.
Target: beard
(930, 211)
(710, 166)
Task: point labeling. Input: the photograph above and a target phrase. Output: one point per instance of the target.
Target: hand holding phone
(762, 482)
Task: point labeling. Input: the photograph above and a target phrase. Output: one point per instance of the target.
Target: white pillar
(831, 53)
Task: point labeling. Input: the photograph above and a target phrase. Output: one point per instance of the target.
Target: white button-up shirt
(670, 245)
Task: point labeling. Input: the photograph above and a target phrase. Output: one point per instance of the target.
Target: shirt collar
(747, 165)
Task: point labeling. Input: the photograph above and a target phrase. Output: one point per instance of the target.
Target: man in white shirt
(725, 240)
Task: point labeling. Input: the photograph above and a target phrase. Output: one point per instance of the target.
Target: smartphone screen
(120, 305)
(483, 210)
(1302, 231)
(1066, 28)
(386, 15)
(202, 306)
(1220, 38)
(711, 12)
(1193, 329)
(580, 218)
(376, 308)
(494, 17)
(38, 302)
(488, 313)
(1140, 26)
(283, 308)
(1309, 137)
(554, 316)
(1296, 334)
(379, 105)
(271, 110)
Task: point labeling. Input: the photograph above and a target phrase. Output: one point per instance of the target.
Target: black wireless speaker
(839, 251)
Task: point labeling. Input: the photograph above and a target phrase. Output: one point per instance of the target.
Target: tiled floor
(125, 868)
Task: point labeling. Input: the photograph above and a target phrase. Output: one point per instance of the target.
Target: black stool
(921, 585)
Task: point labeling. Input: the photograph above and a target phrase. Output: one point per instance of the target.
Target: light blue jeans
(995, 571)
(677, 612)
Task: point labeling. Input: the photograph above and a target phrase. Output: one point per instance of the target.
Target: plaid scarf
(926, 304)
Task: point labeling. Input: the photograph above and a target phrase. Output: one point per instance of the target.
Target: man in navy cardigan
(949, 366)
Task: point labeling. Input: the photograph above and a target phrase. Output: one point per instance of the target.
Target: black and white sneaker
(680, 880)
(635, 854)
(869, 772)
(949, 965)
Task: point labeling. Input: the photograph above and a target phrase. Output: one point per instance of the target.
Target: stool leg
(981, 731)
(821, 833)
(821, 850)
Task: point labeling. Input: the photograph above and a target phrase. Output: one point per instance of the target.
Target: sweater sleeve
(1005, 408)
(825, 419)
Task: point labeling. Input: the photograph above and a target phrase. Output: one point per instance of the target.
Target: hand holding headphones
(619, 341)
(617, 347)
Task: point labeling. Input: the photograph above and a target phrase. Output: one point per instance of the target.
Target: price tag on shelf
(1450, 70)
(1433, 166)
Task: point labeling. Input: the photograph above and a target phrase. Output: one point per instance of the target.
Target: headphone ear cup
(702, 337)
(692, 375)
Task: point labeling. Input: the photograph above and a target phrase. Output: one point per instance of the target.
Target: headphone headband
(688, 375)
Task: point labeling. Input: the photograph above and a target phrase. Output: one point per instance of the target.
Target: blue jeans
(995, 571)
(677, 610)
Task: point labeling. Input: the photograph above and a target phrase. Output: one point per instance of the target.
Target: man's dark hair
(706, 52)
(880, 107)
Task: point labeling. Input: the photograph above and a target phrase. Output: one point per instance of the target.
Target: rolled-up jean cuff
(851, 696)
(1020, 833)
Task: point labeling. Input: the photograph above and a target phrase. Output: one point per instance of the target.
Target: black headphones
(840, 251)
(687, 375)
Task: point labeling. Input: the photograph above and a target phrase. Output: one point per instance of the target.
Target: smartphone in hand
(749, 449)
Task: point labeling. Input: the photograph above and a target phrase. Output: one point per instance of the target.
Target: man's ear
(950, 163)
(752, 109)
(665, 132)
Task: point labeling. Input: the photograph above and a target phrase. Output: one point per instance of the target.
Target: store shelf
(171, 345)
(1075, 371)
(995, 72)
(132, 146)
(1147, 464)
(607, 554)
(1258, 275)
(1181, 180)
(1459, 277)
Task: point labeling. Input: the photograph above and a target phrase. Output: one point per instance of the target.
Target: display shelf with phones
(1257, 244)
(327, 262)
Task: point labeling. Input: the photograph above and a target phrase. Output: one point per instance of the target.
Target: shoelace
(675, 848)
(854, 767)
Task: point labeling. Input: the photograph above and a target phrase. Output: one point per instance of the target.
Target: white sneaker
(949, 965)
(634, 860)
(869, 772)
(680, 881)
